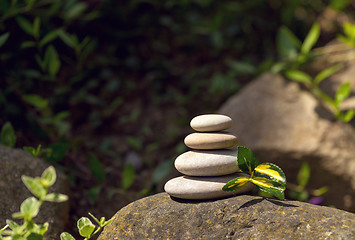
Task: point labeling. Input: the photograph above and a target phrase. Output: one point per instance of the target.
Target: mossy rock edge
(240, 217)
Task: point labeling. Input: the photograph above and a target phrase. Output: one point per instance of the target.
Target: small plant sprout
(312, 84)
(30, 207)
(349, 34)
(267, 177)
(87, 228)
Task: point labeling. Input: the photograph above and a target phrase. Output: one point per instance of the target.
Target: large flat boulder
(240, 217)
(13, 164)
(284, 124)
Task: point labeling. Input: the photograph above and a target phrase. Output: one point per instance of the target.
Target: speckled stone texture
(13, 164)
(240, 217)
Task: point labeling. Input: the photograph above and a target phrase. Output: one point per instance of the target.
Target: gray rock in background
(13, 164)
(286, 125)
(240, 217)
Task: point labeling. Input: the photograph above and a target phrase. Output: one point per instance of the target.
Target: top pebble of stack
(211, 123)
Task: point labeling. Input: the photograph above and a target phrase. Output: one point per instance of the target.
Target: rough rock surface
(286, 125)
(240, 217)
(13, 164)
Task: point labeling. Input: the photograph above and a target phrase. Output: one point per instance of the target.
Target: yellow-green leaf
(270, 172)
(235, 184)
(266, 185)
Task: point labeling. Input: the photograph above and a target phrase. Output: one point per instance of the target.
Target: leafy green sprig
(87, 228)
(30, 208)
(266, 176)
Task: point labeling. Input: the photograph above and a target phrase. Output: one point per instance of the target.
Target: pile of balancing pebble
(210, 164)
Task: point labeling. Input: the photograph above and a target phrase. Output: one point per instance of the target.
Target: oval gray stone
(206, 141)
(207, 163)
(211, 122)
(187, 187)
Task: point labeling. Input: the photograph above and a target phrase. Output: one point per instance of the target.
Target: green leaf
(3, 38)
(266, 185)
(36, 101)
(270, 172)
(30, 207)
(67, 39)
(85, 227)
(25, 25)
(7, 135)
(12, 225)
(34, 236)
(36, 26)
(349, 30)
(326, 73)
(51, 60)
(303, 175)
(298, 76)
(246, 159)
(56, 197)
(96, 168)
(342, 93)
(311, 39)
(49, 176)
(66, 236)
(345, 116)
(235, 184)
(49, 37)
(75, 11)
(287, 43)
(30, 150)
(128, 176)
(35, 186)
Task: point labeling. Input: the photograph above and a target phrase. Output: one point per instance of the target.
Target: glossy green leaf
(56, 197)
(66, 236)
(311, 39)
(36, 101)
(270, 172)
(326, 73)
(303, 175)
(128, 176)
(246, 159)
(7, 135)
(96, 168)
(35, 186)
(85, 227)
(30, 207)
(276, 188)
(298, 76)
(49, 176)
(287, 43)
(235, 184)
(342, 93)
(3, 38)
